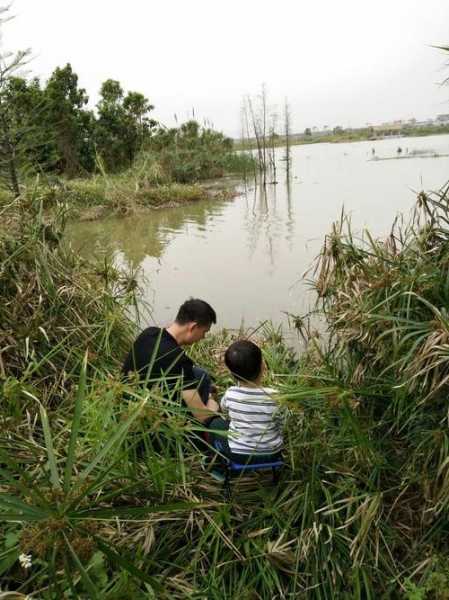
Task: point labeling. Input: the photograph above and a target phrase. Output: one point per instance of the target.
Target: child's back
(254, 423)
(252, 410)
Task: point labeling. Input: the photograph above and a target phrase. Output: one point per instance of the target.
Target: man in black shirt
(157, 353)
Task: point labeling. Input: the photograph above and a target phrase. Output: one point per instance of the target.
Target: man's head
(244, 359)
(194, 319)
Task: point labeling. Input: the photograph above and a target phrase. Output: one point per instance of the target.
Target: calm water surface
(246, 256)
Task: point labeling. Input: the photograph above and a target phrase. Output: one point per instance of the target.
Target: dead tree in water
(242, 136)
(263, 101)
(246, 138)
(263, 131)
(258, 115)
(257, 136)
(272, 147)
(287, 133)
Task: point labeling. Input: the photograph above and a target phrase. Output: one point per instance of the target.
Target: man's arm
(197, 407)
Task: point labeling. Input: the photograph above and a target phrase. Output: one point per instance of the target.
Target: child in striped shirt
(255, 434)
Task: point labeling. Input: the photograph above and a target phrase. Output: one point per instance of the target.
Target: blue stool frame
(231, 467)
(236, 467)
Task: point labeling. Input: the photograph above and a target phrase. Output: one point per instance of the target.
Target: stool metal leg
(227, 485)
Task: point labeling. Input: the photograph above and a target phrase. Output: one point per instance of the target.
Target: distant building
(323, 132)
(391, 127)
(426, 123)
(442, 119)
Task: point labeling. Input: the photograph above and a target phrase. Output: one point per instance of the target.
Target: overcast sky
(345, 63)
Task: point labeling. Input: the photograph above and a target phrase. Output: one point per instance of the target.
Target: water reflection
(290, 213)
(136, 237)
(267, 220)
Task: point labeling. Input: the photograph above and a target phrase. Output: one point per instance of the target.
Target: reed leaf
(52, 462)
(75, 423)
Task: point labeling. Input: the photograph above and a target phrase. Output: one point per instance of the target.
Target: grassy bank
(180, 166)
(101, 490)
(97, 197)
(103, 195)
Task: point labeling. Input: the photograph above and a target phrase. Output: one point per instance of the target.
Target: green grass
(177, 193)
(100, 196)
(116, 194)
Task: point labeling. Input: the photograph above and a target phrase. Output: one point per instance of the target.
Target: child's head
(244, 359)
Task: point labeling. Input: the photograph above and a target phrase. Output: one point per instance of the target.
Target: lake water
(246, 256)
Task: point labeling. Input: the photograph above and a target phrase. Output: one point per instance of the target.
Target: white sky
(347, 62)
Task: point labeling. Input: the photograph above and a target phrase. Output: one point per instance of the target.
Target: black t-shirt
(156, 354)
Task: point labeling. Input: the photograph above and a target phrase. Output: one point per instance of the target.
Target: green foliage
(68, 121)
(52, 131)
(122, 126)
(49, 129)
(396, 296)
(32, 140)
(191, 153)
(14, 141)
(43, 285)
(434, 585)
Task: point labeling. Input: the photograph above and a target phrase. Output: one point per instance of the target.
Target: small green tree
(12, 138)
(69, 122)
(33, 138)
(137, 108)
(123, 124)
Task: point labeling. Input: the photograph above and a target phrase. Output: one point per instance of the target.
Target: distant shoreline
(344, 137)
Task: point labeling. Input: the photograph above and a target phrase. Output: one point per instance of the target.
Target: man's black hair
(196, 310)
(244, 359)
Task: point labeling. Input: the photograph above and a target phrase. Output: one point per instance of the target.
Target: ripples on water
(246, 255)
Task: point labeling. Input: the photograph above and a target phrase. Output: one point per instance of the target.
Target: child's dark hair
(196, 310)
(244, 359)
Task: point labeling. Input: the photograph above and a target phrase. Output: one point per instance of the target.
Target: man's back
(156, 354)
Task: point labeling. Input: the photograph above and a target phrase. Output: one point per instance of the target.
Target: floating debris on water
(424, 153)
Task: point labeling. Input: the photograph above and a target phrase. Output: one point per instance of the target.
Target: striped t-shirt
(254, 426)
